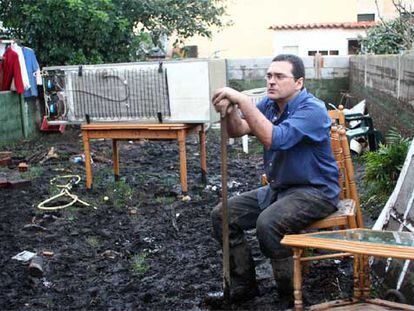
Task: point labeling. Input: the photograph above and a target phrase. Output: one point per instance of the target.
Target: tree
(98, 31)
(391, 37)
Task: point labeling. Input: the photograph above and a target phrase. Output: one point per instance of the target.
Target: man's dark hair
(298, 69)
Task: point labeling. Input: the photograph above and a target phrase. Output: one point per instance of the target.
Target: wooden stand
(131, 131)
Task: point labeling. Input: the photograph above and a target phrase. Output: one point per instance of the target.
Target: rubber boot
(283, 273)
(243, 284)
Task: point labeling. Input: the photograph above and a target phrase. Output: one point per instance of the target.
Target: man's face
(281, 85)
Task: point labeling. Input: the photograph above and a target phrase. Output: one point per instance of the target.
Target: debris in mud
(48, 253)
(60, 200)
(36, 266)
(51, 154)
(22, 167)
(24, 256)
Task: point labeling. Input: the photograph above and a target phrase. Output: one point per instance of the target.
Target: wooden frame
(132, 131)
(359, 250)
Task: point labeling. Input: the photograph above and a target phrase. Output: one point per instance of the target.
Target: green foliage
(121, 194)
(93, 241)
(96, 31)
(139, 263)
(391, 37)
(163, 201)
(382, 169)
(33, 173)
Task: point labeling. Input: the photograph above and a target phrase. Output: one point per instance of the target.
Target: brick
(20, 183)
(6, 161)
(5, 154)
(4, 183)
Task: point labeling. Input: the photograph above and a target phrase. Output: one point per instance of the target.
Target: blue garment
(32, 66)
(300, 154)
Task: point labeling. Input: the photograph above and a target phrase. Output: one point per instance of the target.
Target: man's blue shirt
(300, 154)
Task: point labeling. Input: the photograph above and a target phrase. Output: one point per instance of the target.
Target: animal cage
(168, 91)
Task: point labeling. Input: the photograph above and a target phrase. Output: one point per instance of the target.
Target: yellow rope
(73, 180)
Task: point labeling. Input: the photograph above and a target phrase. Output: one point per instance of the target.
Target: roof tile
(346, 25)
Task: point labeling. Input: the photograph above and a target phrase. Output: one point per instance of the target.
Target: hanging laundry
(1, 73)
(32, 67)
(11, 71)
(23, 70)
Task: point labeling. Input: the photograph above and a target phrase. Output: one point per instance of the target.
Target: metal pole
(225, 212)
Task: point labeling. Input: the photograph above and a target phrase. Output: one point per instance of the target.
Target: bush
(382, 169)
(391, 37)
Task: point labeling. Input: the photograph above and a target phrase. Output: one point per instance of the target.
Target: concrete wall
(326, 77)
(19, 119)
(387, 83)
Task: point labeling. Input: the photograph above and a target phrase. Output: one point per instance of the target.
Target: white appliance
(169, 91)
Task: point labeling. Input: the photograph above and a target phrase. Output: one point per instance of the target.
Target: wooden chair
(337, 116)
(349, 213)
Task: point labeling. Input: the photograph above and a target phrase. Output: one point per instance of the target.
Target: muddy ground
(138, 246)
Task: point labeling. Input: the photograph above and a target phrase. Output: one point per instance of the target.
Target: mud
(138, 246)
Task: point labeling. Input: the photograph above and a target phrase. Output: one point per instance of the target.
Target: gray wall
(18, 118)
(387, 83)
(326, 77)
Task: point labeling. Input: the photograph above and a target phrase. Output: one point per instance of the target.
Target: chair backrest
(337, 116)
(342, 154)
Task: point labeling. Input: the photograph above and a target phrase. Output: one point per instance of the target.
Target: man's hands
(253, 121)
(226, 98)
(225, 101)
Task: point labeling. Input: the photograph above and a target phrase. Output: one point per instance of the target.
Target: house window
(323, 52)
(365, 17)
(353, 47)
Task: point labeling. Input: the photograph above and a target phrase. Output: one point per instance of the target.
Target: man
(294, 128)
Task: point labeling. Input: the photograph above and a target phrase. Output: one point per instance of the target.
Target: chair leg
(352, 223)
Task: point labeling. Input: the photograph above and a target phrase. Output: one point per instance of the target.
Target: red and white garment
(23, 69)
(12, 73)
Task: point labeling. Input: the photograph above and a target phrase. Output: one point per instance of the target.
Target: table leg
(202, 136)
(365, 278)
(357, 277)
(297, 279)
(88, 166)
(115, 158)
(183, 161)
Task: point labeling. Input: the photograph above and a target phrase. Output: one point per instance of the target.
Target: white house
(324, 38)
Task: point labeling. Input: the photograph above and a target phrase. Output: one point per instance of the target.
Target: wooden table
(132, 131)
(359, 243)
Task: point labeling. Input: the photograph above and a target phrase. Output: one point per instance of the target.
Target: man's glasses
(277, 76)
